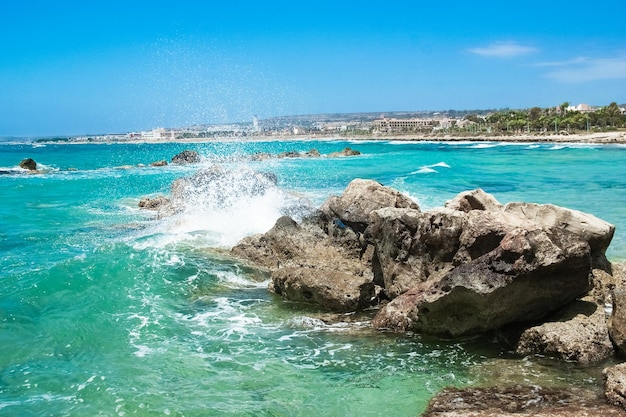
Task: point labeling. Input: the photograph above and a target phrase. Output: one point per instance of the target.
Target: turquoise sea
(106, 310)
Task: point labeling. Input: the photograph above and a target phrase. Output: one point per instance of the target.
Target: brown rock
(518, 401)
(615, 385)
(578, 333)
(617, 320)
(595, 231)
(474, 200)
(528, 275)
(359, 199)
(333, 290)
(345, 152)
(28, 164)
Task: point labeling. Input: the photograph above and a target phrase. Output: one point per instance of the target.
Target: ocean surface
(106, 310)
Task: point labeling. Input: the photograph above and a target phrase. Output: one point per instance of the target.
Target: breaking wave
(219, 206)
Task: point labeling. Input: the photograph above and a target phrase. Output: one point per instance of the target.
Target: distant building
(582, 107)
(395, 125)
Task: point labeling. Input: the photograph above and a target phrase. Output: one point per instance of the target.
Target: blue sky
(77, 67)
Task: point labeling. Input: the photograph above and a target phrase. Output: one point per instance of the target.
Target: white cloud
(503, 50)
(587, 69)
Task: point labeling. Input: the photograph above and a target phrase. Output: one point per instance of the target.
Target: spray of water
(221, 205)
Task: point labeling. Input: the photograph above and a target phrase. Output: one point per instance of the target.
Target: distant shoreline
(618, 137)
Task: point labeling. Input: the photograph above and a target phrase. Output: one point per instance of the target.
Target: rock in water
(154, 203)
(469, 268)
(529, 274)
(518, 401)
(615, 384)
(186, 157)
(578, 334)
(28, 164)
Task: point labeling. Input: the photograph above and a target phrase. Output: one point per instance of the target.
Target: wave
(218, 207)
(429, 169)
(485, 145)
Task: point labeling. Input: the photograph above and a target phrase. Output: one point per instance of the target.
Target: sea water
(106, 309)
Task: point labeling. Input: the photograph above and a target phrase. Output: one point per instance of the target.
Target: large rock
(411, 246)
(468, 268)
(308, 263)
(529, 274)
(578, 334)
(615, 385)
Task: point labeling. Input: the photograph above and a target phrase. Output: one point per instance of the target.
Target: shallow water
(106, 310)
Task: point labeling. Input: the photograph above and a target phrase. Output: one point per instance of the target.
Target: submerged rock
(311, 153)
(518, 400)
(345, 152)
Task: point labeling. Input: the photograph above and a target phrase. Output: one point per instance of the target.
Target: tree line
(550, 119)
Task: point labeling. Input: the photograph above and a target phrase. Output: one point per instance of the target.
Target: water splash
(218, 206)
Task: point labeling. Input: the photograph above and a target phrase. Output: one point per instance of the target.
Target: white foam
(485, 145)
(428, 169)
(220, 212)
(424, 170)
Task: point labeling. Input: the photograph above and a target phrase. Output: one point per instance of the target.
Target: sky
(90, 67)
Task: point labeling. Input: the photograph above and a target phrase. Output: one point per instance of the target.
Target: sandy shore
(598, 137)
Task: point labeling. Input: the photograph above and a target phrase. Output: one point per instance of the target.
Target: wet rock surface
(516, 401)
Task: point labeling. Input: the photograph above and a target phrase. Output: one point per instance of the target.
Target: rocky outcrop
(28, 164)
(578, 333)
(518, 400)
(186, 157)
(470, 267)
(160, 163)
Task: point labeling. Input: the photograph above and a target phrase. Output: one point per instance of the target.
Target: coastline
(605, 138)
